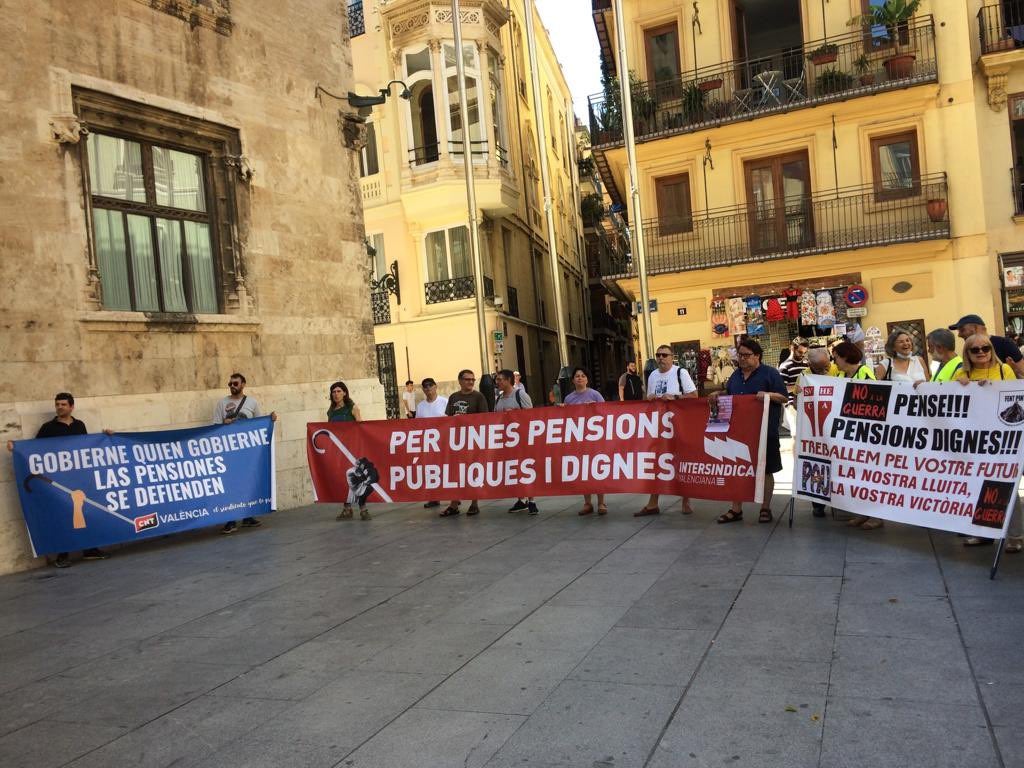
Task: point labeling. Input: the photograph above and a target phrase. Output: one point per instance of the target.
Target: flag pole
(636, 228)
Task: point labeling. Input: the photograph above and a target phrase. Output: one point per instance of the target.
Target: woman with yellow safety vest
(850, 359)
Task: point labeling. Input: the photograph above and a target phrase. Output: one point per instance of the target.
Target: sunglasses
(663, 354)
(979, 350)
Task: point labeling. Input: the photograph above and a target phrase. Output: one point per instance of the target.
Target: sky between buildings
(571, 29)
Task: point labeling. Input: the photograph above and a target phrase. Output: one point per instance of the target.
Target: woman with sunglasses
(340, 407)
(981, 362)
(901, 364)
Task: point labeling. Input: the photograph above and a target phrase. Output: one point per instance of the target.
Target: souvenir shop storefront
(823, 310)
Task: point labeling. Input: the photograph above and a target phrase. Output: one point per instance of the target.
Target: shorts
(772, 455)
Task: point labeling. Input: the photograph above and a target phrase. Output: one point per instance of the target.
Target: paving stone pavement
(507, 641)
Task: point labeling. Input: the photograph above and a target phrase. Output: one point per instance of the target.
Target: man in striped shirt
(790, 369)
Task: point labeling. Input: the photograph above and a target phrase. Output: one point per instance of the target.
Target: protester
(466, 401)
(849, 358)
(1005, 350)
(519, 380)
(667, 382)
(512, 399)
(340, 407)
(901, 364)
(790, 370)
(942, 349)
(755, 378)
(409, 398)
(64, 424)
(819, 363)
(238, 405)
(431, 407)
(981, 362)
(582, 394)
(631, 386)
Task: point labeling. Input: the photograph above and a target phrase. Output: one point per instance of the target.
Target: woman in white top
(901, 364)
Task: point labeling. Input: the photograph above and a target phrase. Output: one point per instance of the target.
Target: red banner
(674, 447)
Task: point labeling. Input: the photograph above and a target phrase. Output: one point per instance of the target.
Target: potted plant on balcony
(692, 103)
(591, 209)
(712, 83)
(894, 16)
(936, 207)
(643, 104)
(586, 166)
(832, 80)
(824, 54)
(863, 66)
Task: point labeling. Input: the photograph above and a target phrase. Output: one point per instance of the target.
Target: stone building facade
(177, 204)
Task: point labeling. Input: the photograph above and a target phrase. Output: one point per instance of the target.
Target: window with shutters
(674, 211)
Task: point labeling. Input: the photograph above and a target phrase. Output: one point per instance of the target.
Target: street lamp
(365, 104)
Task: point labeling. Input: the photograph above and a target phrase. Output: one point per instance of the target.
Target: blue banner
(93, 490)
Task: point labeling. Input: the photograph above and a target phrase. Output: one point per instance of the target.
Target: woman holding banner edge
(579, 396)
(850, 360)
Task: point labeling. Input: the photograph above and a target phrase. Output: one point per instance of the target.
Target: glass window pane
(108, 235)
(368, 156)
(379, 261)
(417, 62)
(664, 53)
(143, 264)
(168, 235)
(115, 168)
(437, 257)
(200, 261)
(178, 178)
(461, 266)
(895, 166)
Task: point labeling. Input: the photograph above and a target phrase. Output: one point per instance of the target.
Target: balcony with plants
(890, 49)
(802, 225)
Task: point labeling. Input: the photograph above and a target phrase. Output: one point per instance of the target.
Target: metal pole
(538, 110)
(637, 232)
(467, 159)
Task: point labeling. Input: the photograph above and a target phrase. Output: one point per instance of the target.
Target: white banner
(942, 456)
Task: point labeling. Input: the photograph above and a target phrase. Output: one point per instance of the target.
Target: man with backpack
(631, 386)
(512, 399)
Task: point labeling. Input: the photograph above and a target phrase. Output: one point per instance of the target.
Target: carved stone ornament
(997, 77)
(242, 165)
(66, 129)
(353, 130)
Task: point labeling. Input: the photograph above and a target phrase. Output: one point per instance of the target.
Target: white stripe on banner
(942, 456)
(348, 455)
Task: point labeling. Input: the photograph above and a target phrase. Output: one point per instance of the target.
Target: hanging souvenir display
(755, 316)
(792, 297)
(825, 310)
(736, 309)
(839, 302)
(774, 312)
(719, 318)
(808, 309)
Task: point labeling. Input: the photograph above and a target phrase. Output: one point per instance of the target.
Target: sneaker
(95, 554)
(229, 527)
(251, 522)
(62, 561)
(519, 505)
(533, 508)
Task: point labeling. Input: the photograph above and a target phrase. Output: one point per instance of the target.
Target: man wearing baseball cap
(1005, 350)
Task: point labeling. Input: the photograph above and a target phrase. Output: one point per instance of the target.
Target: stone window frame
(225, 166)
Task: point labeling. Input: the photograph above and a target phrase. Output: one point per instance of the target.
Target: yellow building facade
(414, 193)
(783, 149)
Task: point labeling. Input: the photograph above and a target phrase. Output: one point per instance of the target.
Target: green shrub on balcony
(833, 80)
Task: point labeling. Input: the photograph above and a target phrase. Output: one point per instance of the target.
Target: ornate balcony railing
(428, 153)
(843, 67)
(833, 220)
(1001, 26)
(1017, 183)
(356, 22)
(456, 288)
(380, 303)
(605, 255)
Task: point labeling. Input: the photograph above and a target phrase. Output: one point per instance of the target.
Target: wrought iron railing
(428, 153)
(512, 305)
(356, 22)
(501, 154)
(478, 149)
(1017, 182)
(1001, 26)
(843, 67)
(606, 255)
(453, 289)
(488, 287)
(833, 220)
(380, 303)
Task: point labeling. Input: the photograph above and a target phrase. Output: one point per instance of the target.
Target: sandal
(732, 516)
(345, 514)
(687, 509)
(1013, 546)
(474, 509)
(975, 541)
(765, 515)
(588, 509)
(603, 510)
(450, 511)
(856, 520)
(647, 511)
(871, 524)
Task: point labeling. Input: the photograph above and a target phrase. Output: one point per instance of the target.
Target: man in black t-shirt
(631, 386)
(65, 425)
(466, 401)
(1005, 350)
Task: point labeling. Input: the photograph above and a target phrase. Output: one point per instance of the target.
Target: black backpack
(634, 387)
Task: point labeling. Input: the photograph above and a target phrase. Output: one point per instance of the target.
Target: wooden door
(779, 203)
